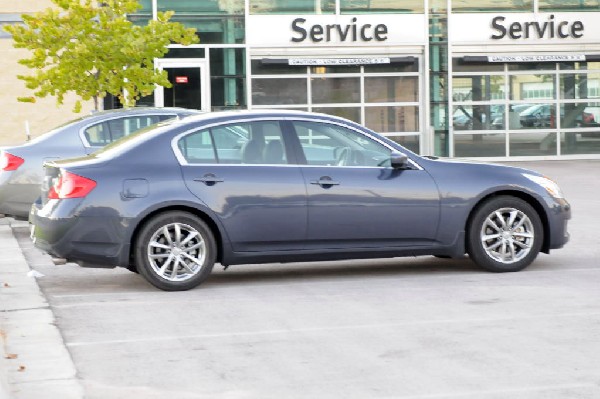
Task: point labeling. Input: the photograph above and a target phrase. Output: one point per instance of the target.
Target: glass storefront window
(279, 91)
(580, 86)
(318, 70)
(392, 119)
(228, 78)
(292, 6)
(532, 144)
(587, 65)
(195, 7)
(538, 116)
(578, 115)
(335, 90)
(480, 145)
(532, 66)
(381, 6)
(409, 142)
(185, 53)
(532, 87)
(214, 30)
(568, 5)
(384, 89)
(260, 68)
(458, 65)
(492, 6)
(478, 117)
(478, 88)
(572, 143)
(352, 113)
(399, 67)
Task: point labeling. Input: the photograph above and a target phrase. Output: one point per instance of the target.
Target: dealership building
(518, 79)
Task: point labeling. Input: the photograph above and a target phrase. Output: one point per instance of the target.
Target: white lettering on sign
(181, 79)
(337, 61)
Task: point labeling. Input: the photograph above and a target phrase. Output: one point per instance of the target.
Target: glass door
(189, 88)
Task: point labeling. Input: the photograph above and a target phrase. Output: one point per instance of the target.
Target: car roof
(262, 113)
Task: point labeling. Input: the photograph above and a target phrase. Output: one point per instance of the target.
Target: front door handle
(325, 181)
(210, 179)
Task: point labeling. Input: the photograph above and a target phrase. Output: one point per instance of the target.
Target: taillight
(11, 162)
(70, 185)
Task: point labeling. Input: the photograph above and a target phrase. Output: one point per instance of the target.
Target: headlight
(547, 184)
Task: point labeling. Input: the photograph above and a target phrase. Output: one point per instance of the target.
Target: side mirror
(399, 160)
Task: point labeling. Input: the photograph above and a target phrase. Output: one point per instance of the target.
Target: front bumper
(558, 214)
(88, 241)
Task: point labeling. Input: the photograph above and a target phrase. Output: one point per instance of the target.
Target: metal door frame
(200, 63)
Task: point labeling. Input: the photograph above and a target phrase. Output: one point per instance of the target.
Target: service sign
(525, 28)
(292, 31)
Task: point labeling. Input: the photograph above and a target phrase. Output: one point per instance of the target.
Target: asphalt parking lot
(396, 328)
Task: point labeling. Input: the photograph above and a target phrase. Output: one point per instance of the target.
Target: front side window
(332, 145)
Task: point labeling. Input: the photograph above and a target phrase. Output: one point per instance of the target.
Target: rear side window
(242, 143)
(106, 132)
(198, 147)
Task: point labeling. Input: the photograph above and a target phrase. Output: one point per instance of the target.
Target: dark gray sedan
(256, 187)
(21, 169)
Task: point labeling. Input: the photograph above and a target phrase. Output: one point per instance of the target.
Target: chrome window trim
(82, 129)
(183, 162)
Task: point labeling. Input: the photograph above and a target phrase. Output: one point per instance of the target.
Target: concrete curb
(43, 367)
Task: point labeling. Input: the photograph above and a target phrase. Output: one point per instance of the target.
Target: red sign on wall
(181, 79)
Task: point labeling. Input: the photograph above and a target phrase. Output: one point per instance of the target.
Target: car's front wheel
(505, 234)
(175, 251)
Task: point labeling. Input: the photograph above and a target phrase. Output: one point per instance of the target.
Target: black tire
(512, 226)
(194, 241)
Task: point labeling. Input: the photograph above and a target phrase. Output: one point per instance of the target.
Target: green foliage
(89, 48)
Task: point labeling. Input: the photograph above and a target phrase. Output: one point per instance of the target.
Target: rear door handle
(210, 179)
(325, 181)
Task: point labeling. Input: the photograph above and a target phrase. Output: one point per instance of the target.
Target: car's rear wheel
(505, 234)
(175, 251)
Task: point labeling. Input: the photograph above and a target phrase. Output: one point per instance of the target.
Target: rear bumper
(88, 241)
(16, 199)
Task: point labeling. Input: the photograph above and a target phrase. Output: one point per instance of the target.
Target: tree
(90, 48)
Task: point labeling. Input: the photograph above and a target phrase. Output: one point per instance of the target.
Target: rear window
(103, 133)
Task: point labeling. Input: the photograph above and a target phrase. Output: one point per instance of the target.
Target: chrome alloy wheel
(176, 252)
(507, 235)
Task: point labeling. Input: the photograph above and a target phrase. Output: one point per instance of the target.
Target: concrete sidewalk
(34, 362)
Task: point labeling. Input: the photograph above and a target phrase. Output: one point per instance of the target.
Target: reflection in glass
(319, 70)
(532, 66)
(480, 145)
(532, 144)
(214, 29)
(381, 6)
(352, 113)
(568, 5)
(478, 117)
(335, 90)
(576, 66)
(400, 67)
(392, 119)
(279, 91)
(391, 89)
(492, 5)
(292, 6)
(538, 116)
(532, 87)
(478, 88)
(579, 143)
(458, 65)
(409, 142)
(201, 7)
(580, 86)
(260, 68)
(580, 115)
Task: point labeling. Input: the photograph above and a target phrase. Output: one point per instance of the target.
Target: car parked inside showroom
(285, 186)
(21, 170)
